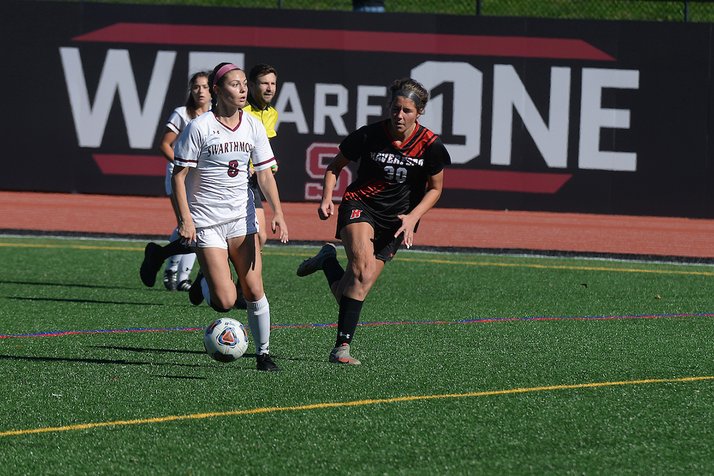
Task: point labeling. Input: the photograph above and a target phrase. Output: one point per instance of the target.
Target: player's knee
(254, 292)
(364, 272)
(223, 303)
(218, 308)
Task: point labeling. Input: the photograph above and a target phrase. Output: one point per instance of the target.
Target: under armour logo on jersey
(355, 214)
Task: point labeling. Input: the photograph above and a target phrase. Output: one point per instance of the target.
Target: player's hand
(408, 224)
(278, 224)
(187, 232)
(326, 209)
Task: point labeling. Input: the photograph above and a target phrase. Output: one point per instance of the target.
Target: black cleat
(240, 300)
(265, 363)
(313, 264)
(151, 264)
(240, 303)
(184, 285)
(195, 293)
(170, 278)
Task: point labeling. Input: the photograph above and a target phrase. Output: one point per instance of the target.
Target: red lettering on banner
(317, 158)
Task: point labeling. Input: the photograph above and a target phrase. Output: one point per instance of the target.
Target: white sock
(259, 323)
(173, 261)
(205, 291)
(185, 266)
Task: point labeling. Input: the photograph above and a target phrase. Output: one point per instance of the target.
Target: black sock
(347, 320)
(333, 271)
(176, 247)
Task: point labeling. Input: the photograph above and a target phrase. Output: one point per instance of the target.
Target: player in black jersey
(399, 178)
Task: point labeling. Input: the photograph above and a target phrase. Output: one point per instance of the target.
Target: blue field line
(479, 320)
(582, 318)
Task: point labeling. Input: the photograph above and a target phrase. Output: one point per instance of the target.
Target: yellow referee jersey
(268, 116)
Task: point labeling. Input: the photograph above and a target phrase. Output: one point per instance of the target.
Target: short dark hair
(260, 69)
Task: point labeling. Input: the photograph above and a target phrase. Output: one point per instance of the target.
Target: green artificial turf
(472, 364)
(641, 10)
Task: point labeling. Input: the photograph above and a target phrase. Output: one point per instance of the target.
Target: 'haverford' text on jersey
(396, 159)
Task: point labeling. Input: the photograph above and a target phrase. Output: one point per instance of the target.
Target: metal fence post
(686, 11)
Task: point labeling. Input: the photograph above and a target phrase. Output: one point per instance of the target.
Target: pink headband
(222, 71)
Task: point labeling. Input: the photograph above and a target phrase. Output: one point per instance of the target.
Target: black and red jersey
(392, 180)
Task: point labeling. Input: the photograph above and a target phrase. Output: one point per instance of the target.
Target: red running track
(441, 227)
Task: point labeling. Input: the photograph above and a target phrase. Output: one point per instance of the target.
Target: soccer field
(472, 364)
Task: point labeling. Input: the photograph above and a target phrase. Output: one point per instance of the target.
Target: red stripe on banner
(504, 181)
(344, 40)
(117, 164)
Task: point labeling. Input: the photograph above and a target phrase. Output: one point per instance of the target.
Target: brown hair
(411, 89)
(213, 80)
(191, 105)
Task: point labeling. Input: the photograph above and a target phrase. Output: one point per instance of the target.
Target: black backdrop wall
(603, 117)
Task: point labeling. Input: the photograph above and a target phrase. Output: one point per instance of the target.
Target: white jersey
(177, 122)
(217, 185)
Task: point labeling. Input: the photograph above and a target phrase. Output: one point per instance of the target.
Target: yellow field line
(563, 267)
(414, 260)
(71, 247)
(536, 266)
(354, 403)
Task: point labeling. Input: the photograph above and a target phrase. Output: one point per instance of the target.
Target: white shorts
(217, 236)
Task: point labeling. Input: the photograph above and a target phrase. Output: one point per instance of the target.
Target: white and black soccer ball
(225, 340)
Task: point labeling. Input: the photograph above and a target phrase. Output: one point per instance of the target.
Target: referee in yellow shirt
(262, 86)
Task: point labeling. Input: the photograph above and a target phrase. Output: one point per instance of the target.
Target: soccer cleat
(341, 355)
(265, 363)
(240, 303)
(195, 293)
(151, 264)
(184, 285)
(313, 264)
(240, 299)
(170, 280)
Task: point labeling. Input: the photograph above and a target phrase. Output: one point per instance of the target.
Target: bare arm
(327, 207)
(435, 184)
(267, 184)
(166, 146)
(187, 229)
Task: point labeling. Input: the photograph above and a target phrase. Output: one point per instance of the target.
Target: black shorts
(257, 194)
(385, 244)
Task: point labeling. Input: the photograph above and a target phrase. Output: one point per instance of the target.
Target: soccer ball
(225, 340)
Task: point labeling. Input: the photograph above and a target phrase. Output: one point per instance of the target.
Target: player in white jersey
(179, 266)
(217, 213)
